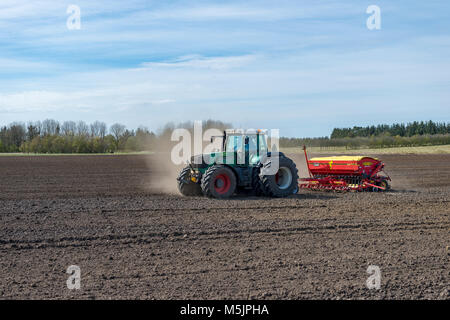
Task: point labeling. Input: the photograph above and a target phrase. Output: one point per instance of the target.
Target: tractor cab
(247, 147)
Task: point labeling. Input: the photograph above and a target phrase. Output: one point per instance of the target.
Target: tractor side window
(252, 143)
(234, 143)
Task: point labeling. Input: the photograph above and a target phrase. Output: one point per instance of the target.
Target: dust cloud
(163, 173)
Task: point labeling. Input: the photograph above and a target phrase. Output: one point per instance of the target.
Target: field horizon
(436, 149)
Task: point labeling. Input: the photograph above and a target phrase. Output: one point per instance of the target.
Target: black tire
(257, 188)
(186, 186)
(384, 184)
(274, 188)
(218, 182)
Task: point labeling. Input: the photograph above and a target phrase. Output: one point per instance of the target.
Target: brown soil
(104, 214)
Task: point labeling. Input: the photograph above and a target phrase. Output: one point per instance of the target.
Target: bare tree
(102, 130)
(82, 129)
(38, 125)
(98, 129)
(33, 130)
(117, 130)
(50, 127)
(69, 128)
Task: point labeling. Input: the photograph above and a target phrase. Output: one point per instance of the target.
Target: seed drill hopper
(345, 173)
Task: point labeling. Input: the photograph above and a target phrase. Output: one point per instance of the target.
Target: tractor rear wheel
(218, 182)
(284, 182)
(186, 186)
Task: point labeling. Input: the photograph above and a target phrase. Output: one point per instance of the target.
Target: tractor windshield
(262, 144)
(234, 143)
(253, 146)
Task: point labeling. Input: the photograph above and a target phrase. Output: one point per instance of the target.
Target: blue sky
(301, 66)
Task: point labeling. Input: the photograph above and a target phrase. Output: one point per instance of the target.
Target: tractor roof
(245, 132)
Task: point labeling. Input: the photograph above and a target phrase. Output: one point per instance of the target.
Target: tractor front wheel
(186, 186)
(218, 182)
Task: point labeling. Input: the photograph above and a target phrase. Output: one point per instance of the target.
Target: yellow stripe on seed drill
(341, 158)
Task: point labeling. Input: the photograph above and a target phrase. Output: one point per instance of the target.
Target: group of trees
(380, 136)
(397, 129)
(50, 136)
(382, 141)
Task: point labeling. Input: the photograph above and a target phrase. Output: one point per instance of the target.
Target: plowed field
(107, 215)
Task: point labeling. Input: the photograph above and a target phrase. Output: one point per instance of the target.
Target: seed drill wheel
(218, 182)
(186, 186)
(284, 182)
(385, 185)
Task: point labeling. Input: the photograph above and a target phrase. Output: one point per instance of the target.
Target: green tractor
(244, 164)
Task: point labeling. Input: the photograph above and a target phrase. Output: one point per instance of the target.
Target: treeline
(423, 133)
(382, 141)
(397, 129)
(51, 136)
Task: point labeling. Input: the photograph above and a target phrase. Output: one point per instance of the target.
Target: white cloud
(240, 80)
(31, 101)
(298, 59)
(198, 62)
(220, 12)
(26, 66)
